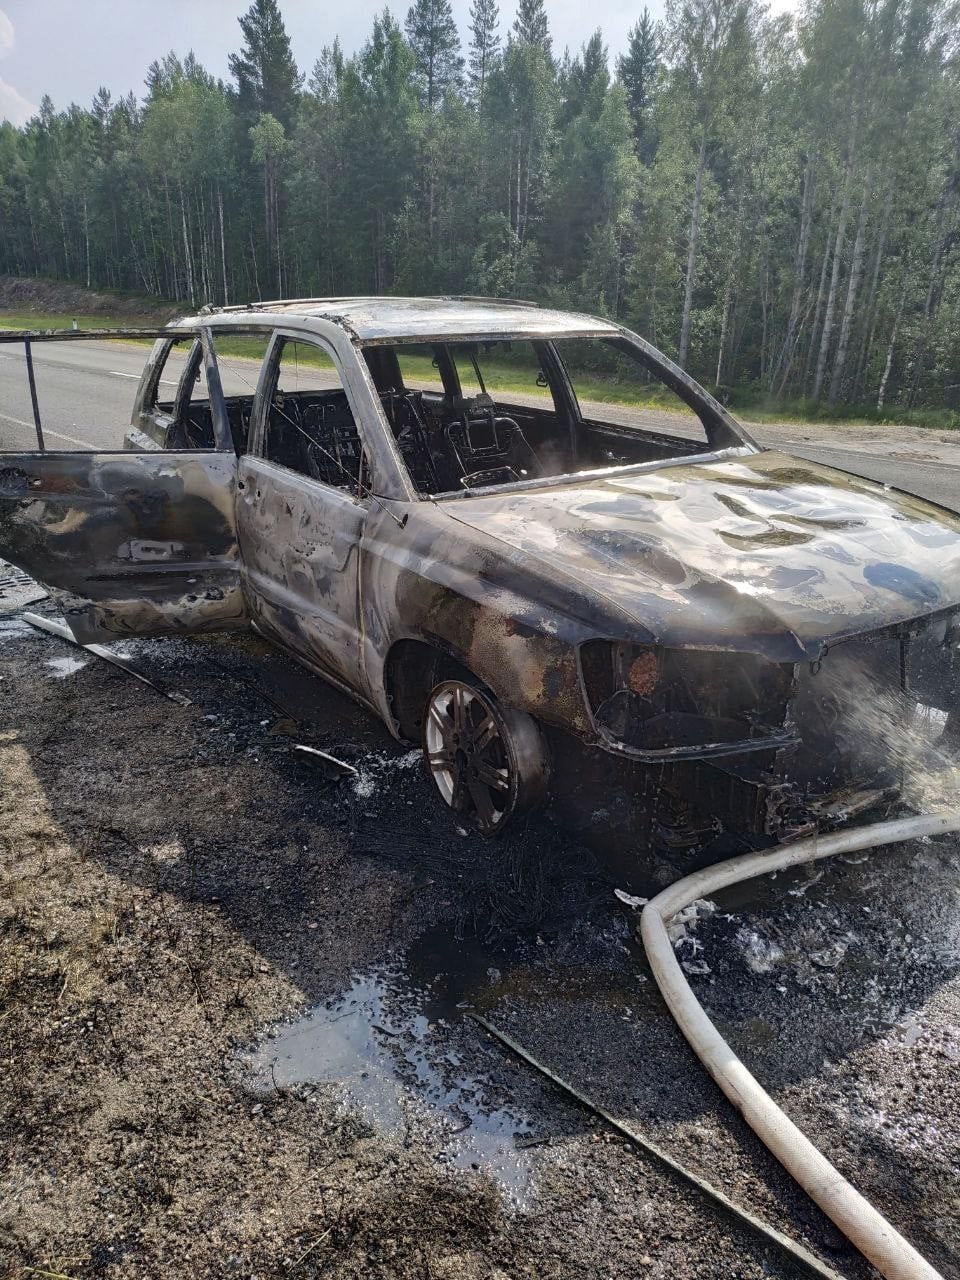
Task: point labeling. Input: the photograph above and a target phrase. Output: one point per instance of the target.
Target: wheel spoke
(441, 761)
(482, 801)
(484, 733)
(491, 776)
(460, 799)
(459, 709)
(442, 721)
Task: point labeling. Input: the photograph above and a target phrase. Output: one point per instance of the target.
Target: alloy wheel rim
(468, 756)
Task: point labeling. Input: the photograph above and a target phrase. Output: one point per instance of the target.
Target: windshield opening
(499, 413)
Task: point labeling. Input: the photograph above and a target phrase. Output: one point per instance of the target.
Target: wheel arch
(413, 666)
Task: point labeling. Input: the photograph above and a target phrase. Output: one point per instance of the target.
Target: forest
(772, 200)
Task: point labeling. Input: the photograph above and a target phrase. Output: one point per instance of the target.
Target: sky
(69, 48)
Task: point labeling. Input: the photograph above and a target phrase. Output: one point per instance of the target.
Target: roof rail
(263, 305)
(480, 297)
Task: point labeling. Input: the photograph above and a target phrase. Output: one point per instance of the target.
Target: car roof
(375, 318)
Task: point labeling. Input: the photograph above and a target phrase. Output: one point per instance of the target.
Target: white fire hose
(892, 1255)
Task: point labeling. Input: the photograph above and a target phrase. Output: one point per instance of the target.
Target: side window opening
(175, 410)
(310, 427)
(179, 402)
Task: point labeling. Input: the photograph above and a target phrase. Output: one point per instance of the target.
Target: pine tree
(268, 82)
(433, 37)
(636, 71)
(530, 25)
(484, 47)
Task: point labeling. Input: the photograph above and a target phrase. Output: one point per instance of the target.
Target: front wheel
(488, 762)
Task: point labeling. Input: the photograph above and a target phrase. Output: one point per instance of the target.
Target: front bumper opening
(774, 751)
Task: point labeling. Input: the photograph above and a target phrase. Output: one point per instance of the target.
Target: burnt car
(525, 539)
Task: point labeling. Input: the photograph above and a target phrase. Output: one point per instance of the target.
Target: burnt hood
(765, 553)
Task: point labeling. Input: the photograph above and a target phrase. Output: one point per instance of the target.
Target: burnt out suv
(523, 538)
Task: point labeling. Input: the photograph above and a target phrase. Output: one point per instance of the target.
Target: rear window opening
(469, 415)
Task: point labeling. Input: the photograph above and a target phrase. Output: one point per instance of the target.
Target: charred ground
(178, 885)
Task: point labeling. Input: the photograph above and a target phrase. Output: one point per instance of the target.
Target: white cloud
(14, 106)
(6, 34)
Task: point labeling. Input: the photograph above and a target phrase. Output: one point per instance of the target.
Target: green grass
(756, 406)
(47, 320)
(44, 321)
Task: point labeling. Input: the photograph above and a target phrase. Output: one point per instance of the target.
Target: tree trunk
(827, 332)
(276, 232)
(728, 284)
(944, 243)
(186, 249)
(223, 247)
(881, 394)
(692, 253)
(799, 272)
(253, 259)
(818, 306)
(86, 238)
(853, 287)
(172, 242)
(869, 323)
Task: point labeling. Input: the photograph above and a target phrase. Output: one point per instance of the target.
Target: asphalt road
(86, 392)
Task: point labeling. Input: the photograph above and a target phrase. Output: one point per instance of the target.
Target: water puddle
(391, 1048)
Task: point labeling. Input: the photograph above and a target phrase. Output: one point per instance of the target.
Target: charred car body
(526, 539)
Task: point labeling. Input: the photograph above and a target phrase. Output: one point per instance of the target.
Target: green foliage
(268, 82)
(433, 37)
(531, 25)
(484, 50)
(637, 72)
(774, 199)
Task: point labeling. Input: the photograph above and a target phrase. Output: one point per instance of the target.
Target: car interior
(465, 415)
(505, 411)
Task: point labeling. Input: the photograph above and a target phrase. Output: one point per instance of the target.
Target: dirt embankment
(59, 297)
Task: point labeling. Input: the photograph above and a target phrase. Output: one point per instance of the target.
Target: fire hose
(893, 1256)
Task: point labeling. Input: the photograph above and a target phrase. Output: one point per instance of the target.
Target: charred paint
(705, 626)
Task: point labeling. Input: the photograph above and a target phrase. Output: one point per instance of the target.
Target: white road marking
(84, 444)
(18, 421)
(164, 382)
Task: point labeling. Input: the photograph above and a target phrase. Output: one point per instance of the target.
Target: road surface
(86, 392)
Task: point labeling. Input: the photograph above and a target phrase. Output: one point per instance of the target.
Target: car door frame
(136, 540)
(202, 350)
(304, 602)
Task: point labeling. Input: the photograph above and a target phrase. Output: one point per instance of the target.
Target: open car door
(130, 542)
